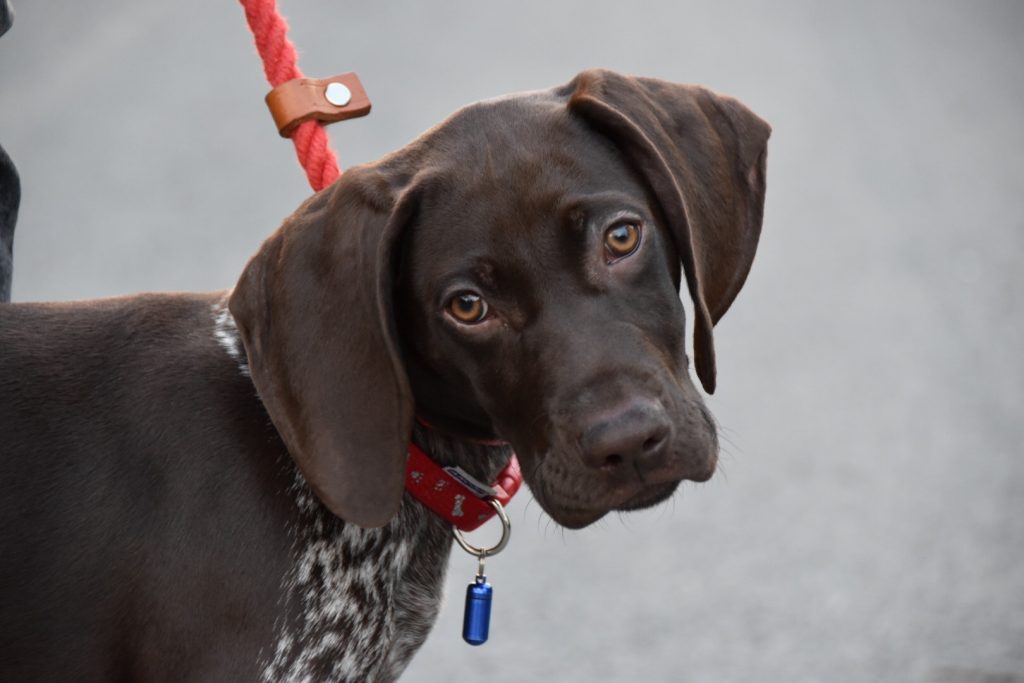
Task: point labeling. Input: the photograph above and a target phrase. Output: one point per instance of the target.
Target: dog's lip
(648, 496)
(577, 518)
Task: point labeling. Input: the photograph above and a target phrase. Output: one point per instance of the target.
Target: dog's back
(111, 449)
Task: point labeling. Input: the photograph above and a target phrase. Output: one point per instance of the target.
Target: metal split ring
(506, 532)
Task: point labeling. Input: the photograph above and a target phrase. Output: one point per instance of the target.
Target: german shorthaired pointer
(210, 487)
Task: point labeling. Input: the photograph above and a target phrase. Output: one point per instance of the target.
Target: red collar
(453, 495)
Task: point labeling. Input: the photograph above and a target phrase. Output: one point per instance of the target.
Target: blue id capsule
(476, 622)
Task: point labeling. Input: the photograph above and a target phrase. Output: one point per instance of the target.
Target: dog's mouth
(579, 517)
(575, 489)
(650, 496)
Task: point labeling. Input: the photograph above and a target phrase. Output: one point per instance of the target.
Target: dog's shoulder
(120, 370)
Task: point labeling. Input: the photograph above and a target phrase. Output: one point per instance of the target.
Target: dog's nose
(629, 441)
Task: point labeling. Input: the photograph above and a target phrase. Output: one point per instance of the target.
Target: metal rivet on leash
(338, 94)
(476, 620)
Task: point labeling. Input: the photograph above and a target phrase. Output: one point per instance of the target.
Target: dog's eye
(622, 240)
(468, 308)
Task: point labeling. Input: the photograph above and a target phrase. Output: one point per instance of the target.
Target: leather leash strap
(317, 99)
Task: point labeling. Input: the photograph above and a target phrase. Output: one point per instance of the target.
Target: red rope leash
(280, 63)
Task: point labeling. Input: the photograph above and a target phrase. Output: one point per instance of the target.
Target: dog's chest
(358, 602)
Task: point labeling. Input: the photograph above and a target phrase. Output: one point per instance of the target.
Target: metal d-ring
(506, 532)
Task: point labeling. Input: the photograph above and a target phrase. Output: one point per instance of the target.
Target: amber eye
(622, 240)
(467, 308)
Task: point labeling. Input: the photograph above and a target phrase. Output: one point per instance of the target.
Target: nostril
(627, 441)
(612, 461)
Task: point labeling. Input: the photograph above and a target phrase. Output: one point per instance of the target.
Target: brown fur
(155, 519)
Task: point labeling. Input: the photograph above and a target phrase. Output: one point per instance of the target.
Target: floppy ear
(314, 311)
(703, 155)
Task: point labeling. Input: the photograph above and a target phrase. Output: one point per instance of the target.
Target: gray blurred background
(867, 523)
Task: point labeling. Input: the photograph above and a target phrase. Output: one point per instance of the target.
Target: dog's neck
(388, 581)
(482, 460)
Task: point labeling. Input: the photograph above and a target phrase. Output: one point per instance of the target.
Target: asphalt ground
(867, 523)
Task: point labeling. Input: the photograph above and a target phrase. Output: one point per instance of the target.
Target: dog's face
(538, 300)
(515, 273)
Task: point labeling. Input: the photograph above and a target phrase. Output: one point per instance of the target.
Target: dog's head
(515, 272)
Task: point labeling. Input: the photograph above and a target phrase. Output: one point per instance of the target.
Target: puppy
(211, 487)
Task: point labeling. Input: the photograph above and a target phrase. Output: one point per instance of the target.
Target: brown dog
(513, 273)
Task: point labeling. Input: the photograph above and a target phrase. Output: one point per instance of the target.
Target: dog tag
(476, 621)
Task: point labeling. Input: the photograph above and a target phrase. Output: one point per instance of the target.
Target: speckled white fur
(360, 602)
(355, 610)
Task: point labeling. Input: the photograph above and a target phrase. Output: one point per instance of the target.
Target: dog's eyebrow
(483, 269)
(581, 210)
(476, 271)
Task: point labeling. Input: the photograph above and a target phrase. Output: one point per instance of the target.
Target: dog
(209, 487)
